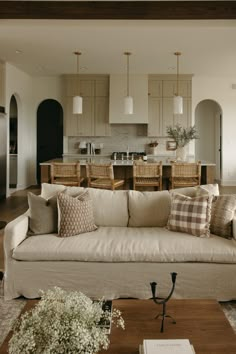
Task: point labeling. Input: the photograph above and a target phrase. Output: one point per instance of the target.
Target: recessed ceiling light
(18, 51)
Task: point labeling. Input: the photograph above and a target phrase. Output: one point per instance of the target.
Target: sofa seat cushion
(123, 244)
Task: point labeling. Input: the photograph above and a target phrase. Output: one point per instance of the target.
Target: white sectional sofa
(130, 248)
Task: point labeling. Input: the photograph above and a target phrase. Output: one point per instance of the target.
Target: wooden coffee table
(201, 321)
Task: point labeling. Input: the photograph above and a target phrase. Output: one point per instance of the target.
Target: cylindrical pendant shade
(178, 105)
(77, 105)
(128, 105)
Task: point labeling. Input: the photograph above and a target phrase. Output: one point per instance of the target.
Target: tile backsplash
(122, 136)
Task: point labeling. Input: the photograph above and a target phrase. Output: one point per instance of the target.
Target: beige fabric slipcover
(110, 208)
(123, 244)
(116, 261)
(149, 208)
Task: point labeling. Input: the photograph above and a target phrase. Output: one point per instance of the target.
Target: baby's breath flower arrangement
(63, 322)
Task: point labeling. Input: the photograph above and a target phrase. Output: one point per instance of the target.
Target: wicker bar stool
(185, 174)
(67, 174)
(102, 176)
(147, 175)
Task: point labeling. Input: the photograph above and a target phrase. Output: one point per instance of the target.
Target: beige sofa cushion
(149, 209)
(48, 190)
(211, 189)
(110, 208)
(128, 244)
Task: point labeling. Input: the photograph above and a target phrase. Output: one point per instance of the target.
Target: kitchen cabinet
(154, 116)
(94, 120)
(161, 89)
(2, 85)
(172, 119)
(139, 92)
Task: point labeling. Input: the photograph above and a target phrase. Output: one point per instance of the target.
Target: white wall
(29, 92)
(219, 89)
(19, 84)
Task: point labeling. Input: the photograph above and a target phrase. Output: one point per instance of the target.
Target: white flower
(63, 322)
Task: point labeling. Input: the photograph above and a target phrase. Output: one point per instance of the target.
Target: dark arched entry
(49, 132)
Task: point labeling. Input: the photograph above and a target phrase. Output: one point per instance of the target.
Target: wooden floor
(17, 204)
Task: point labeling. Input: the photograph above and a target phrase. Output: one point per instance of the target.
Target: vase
(181, 153)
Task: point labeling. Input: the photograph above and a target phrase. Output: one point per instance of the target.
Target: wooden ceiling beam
(117, 10)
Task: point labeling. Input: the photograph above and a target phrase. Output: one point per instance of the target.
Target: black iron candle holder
(163, 301)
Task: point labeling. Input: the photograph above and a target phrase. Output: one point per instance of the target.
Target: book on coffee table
(166, 346)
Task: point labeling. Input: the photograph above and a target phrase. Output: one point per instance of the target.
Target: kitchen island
(123, 169)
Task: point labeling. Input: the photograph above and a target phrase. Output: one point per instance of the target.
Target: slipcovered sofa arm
(15, 233)
(234, 227)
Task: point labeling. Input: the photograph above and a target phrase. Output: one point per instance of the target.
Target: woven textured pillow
(75, 214)
(42, 215)
(222, 213)
(190, 215)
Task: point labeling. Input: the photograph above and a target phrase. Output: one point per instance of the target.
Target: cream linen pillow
(48, 190)
(149, 209)
(222, 214)
(75, 214)
(190, 215)
(211, 189)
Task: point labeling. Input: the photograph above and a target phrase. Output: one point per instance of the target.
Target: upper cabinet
(138, 90)
(161, 90)
(2, 85)
(94, 120)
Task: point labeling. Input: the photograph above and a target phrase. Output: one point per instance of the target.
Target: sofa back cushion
(149, 209)
(110, 208)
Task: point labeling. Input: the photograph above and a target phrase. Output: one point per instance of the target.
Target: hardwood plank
(201, 321)
(130, 10)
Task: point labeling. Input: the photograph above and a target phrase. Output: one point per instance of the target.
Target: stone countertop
(106, 159)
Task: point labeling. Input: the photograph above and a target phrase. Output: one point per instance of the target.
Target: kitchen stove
(122, 155)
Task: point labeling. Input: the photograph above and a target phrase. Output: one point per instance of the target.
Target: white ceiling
(47, 46)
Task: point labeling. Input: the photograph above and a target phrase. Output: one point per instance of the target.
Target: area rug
(10, 310)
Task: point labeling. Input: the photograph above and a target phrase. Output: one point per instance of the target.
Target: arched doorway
(13, 142)
(208, 120)
(49, 132)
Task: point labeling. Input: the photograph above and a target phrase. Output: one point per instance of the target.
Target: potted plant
(63, 322)
(153, 147)
(182, 136)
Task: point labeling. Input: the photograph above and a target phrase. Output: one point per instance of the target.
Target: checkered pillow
(75, 214)
(190, 215)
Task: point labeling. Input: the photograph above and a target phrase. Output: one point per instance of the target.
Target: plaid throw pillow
(75, 214)
(190, 215)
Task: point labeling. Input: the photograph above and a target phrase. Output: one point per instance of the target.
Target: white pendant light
(178, 100)
(77, 100)
(128, 100)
